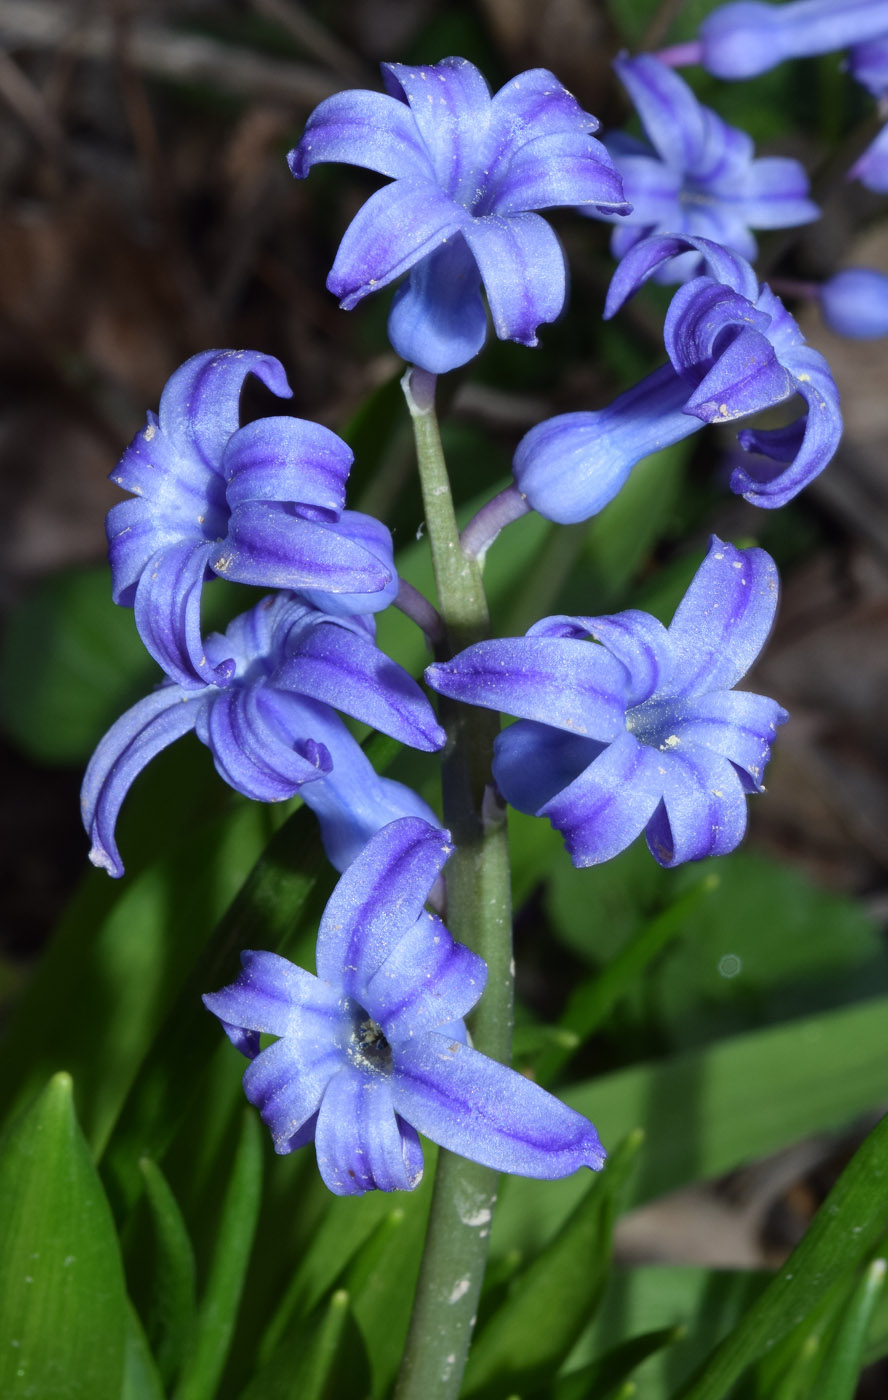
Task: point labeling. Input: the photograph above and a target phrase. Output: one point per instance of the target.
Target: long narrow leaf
(174, 1301)
(218, 1309)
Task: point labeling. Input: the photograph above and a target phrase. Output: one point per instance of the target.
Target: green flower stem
(478, 914)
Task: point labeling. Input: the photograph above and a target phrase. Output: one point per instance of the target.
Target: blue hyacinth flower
(698, 175)
(261, 504)
(272, 729)
(745, 39)
(468, 172)
(854, 303)
(642, 732)
(868, 64)
(372, 1051)
(733, 350)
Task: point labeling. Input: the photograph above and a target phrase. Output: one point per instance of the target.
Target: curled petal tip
(102, 860)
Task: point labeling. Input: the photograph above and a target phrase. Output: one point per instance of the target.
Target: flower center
(654, 723)
(369, 1045)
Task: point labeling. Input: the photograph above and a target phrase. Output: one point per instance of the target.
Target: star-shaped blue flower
(263, 504)
(468, 171)
(271, 729)
(734, 350)
(373, 1050)
(643, 732)
(698, 175)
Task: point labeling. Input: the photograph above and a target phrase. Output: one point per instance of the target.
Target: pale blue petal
(532, 762)
(522, 267)
(254, 749)
(724, 619)
(426, 982)
(360, 1143)
(561, 682)
(130, 744)
(450, 103)
(397, 227)
(334, 665)
(274, 996)
(635, 638)
(363, 128)
(376, 539)
(271, 546)
(488, 1113)
(609, 803)
(289, 460)
(703, 811)
(200, 404)
(167, 611)
(670, 113)
(377, 900)
(287, 1081)
(438, 320)
(737, 724)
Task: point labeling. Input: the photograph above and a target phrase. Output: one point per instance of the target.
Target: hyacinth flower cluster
(734, 350)
(696, 174)
(373, 1050)
(468, 174)
(623, 726)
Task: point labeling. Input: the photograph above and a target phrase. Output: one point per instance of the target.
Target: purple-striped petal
(698, 316)
(556, 171)
(533, 762)
(522, 267)
(288, 1080)
(130, 744)
(724, 619)
(167, 611)
(638, 264)
(339, 668)
(603, 810)
(254, 750)
(569, 684)
(289, 460)
(635, 638)
(670, 113)
(472, 1105)
(737, 724)
(654, 192)
(807, 446)
(274, 996)
(703, 811)
(774, 193)
(746, 378)
(450, 103)
(370, 534)
(570, 466)
(426, 982)
(377, 900)
(438, 320)
(363, 128)
(397, 227)
(200, 404)
(361, 1144)
(271, 546)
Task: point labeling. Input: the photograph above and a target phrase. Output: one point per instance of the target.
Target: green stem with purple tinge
(478, 914)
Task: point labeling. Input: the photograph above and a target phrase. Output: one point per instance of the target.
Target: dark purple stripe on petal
(703, 811)
(377, 900)
(488, 1113)
(522, 267)
(359, 1141)
(127, 748)
(724, 619)
(362, 128)
(426, 982)
(167, 609)
(289, 460)
(200, 404)
(609, 804)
